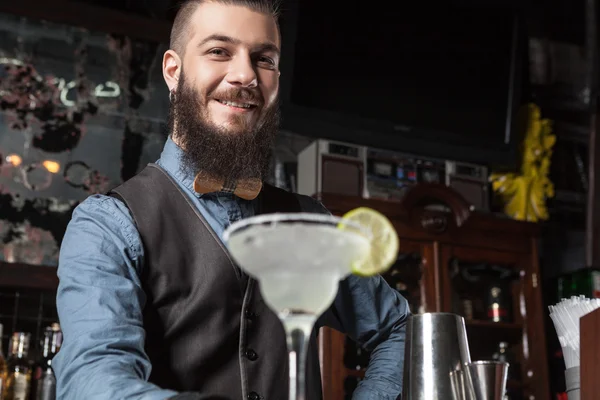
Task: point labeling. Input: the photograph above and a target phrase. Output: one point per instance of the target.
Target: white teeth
(234, 104)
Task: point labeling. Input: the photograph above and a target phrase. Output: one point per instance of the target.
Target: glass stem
(298, 336)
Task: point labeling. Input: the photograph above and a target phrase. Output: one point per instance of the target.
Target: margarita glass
(298, 260)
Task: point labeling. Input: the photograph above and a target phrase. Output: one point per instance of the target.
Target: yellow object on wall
(525, 193)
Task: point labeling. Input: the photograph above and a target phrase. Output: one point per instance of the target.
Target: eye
(264, 60)
(218, 52)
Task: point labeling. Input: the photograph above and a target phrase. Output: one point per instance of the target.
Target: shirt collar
(171, 160)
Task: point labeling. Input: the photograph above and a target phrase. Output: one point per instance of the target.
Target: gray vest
(207, 327)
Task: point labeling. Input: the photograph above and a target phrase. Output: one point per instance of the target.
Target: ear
(171, 69)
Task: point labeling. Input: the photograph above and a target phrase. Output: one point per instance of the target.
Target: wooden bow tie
(246, 189)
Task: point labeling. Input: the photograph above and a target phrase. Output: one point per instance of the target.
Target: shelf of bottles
(25, 377)
(488, 297)
(30, 336)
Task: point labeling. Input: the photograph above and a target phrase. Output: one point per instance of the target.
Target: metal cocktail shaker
(436, 345)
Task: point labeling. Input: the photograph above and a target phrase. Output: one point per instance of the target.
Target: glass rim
(487, 362)
(274, 218)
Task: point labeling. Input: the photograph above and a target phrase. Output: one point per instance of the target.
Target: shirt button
(251, 354)
(254, 396)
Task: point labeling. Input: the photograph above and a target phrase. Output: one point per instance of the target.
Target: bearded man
(150, 304)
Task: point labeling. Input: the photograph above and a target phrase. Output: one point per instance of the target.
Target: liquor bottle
(584, 282)
(44, 382)
(501, 353)
(497, 303)
(2, 364)
(504, 354)
(18, 379)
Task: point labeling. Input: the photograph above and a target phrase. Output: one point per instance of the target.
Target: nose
(242, 73)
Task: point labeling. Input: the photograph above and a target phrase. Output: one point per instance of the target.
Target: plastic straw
(565, 316)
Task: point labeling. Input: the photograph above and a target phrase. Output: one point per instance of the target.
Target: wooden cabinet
(455, 259)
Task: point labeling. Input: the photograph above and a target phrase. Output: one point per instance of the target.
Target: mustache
(239, 95)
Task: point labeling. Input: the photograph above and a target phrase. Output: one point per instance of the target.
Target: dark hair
(180, 31)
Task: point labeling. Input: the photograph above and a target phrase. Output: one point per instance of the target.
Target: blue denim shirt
(100, 302)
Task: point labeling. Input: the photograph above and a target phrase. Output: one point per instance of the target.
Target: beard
(215, 150)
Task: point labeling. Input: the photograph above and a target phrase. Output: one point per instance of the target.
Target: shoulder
(281, 196)
(103, 217)
(104, 208)
(310, 204)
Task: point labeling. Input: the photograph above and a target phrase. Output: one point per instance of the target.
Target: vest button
(250, 315)
(251, 354)
(254, 396)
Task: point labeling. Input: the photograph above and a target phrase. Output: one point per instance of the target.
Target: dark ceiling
(561, 20)
(155, 9)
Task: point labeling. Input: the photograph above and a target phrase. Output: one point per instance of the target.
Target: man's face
(231, 62)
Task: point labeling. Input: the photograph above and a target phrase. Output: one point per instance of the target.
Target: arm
(100, 302)
(374, 315)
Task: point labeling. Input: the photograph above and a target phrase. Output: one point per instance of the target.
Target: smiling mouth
(236, 104)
